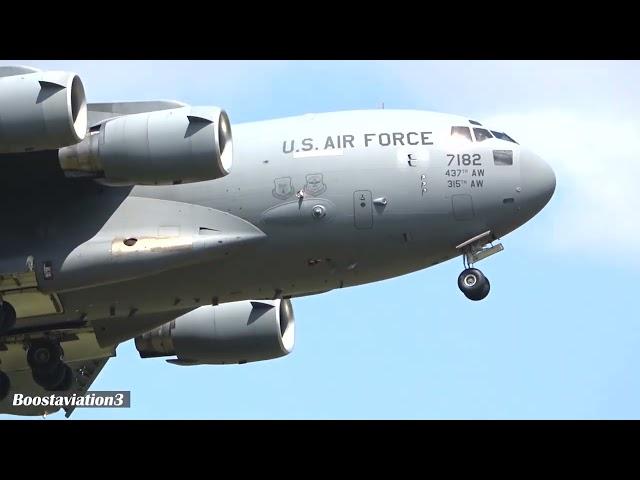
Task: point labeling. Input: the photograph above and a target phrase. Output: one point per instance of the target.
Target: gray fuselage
(342, 199)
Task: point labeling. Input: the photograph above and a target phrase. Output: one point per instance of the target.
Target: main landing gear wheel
(67, 380)
(474, 284)
(5, 385)
(44, 355)
(54, 380)
(7, 317)
(47, 367)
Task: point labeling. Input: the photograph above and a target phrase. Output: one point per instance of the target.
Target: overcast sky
(557, 337)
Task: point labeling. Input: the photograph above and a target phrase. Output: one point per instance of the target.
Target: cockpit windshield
(503, 136)
(481, 134)
(461, 132)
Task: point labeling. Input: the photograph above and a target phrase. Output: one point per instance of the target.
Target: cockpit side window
(461, 132)
(503, 157)
(481, 134)
(503, 136)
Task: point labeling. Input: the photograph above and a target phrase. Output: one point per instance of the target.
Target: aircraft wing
(82, 353)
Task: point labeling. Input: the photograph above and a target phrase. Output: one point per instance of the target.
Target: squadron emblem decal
(283, 188)
(315, 185)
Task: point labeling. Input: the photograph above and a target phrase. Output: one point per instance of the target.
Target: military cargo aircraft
(151, 221)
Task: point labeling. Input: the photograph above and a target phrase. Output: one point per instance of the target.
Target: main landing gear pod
(45, 357)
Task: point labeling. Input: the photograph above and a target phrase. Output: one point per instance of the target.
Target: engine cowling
(41, 111)
(230, 333)
(180, 145)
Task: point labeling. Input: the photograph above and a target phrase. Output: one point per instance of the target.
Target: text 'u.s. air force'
(393, 139)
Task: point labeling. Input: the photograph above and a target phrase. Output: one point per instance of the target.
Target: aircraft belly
(293, 268)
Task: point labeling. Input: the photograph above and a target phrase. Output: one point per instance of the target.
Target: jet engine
(41, 111)
(237, 332)
(179, 145)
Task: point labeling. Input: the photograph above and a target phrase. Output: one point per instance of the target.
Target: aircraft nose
(538, 181)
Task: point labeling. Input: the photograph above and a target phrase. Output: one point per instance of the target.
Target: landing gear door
(362, 209)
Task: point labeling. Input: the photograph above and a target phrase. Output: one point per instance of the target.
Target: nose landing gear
(472, 282)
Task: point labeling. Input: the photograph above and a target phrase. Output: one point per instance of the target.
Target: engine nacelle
(238, 332)
(181, 145)
(41, 111)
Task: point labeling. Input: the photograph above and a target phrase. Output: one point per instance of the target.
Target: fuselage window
(503, 136)
(481, 134)
(461, 132)
(503, 157)
(473, 122)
